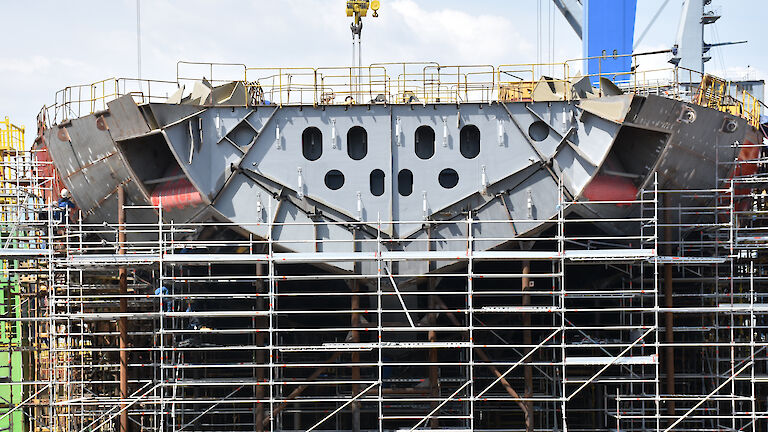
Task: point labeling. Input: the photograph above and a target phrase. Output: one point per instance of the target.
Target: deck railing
(403, 83)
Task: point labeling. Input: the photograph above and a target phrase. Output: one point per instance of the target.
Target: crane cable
(538, 32)
(650, 24)
(138, 37)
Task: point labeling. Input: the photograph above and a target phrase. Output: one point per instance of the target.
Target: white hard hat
(64, 193)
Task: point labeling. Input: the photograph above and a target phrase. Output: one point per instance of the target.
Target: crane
(359, 9)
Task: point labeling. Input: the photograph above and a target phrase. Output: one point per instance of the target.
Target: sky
(51, 44)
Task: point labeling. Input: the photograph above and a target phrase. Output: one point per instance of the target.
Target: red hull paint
(176, 194)
(610, 188)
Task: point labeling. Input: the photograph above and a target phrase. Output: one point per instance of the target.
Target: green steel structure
(11, 341)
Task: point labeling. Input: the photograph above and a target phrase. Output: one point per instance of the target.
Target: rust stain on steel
(101, 123)
(63, 135)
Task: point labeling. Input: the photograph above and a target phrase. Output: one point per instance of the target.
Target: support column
(355, 336)
(259, 351)
(669, 351)
(434, 376)
(669, 323)
(123, 326)
(527, 340)
(434, 373)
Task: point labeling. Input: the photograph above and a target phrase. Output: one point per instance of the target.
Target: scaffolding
(567, 330)
(317, 350)
(655, 321)
(23, 344)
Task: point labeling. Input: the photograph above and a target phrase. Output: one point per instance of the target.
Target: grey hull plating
(678, 146)
(257, 168)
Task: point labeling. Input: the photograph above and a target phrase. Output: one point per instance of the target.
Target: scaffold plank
(22, 253)
(99, 260)
(625, 360)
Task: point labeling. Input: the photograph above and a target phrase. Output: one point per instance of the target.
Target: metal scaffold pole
(285, 317)
(669, 323)
(123, 326)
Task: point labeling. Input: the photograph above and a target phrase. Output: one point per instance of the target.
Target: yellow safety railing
(752, 108)
(11, 142)
(406, 83)
(711, 92)
(517, 82)
(11, 136)
(714, 92)
(461, 83)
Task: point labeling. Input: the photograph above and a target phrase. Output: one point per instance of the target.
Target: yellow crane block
(359, 9)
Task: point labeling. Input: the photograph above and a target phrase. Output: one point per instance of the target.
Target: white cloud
(473, 39)
(24, 65)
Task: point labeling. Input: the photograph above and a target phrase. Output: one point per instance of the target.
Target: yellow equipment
(12, 199)
(359, 9)
(713, 93)
(11, 142)
(11, 136)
